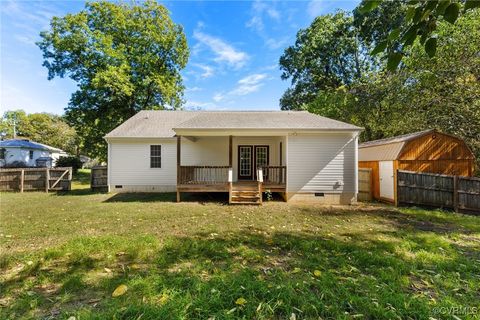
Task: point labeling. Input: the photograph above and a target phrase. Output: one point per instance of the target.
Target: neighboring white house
(55, 153)
(23, 152)
(301, 155)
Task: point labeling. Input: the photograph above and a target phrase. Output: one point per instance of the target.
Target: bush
(70, 161)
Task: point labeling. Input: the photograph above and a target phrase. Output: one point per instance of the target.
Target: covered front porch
(243, 166)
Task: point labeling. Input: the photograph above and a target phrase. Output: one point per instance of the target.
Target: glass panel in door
(261, 158)
(245, 162)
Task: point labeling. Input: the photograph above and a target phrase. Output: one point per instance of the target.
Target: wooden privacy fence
(36, 179)
(99, 178)
(365, 184)
(438, 190)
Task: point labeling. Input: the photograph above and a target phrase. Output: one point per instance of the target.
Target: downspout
(108, 166)
(356, 165)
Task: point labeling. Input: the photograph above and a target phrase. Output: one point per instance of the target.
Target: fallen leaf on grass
(296, 270)
(121, 289)
(317, 273)
(241, 301)
(163, 299)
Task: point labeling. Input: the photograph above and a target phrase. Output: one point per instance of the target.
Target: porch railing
(203, 175)
(274, 175)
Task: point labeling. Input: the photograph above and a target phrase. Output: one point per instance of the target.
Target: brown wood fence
(99, 178)
(438, 190)
(365, 184)
(36, 179)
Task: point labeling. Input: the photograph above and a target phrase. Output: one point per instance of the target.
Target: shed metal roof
(396, 139)
(162, 124)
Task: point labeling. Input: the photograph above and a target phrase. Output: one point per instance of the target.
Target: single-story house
(55, 153)
(303, 156)
(424, 151)
(26, 153)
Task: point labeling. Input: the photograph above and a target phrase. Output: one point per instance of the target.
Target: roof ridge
(228, 111)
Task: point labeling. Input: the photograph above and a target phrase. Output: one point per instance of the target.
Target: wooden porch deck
(220, 179)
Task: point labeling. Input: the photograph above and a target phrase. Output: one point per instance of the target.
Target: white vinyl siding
(321, 163)
(129, 163)
(205, 151)
(22, 155)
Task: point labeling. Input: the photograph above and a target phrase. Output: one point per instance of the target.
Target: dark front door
(249, 159)
(245, 162)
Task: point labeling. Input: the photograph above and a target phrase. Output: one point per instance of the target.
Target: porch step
(244, 193)
(245, 201)
(245, 188)
(245, 197)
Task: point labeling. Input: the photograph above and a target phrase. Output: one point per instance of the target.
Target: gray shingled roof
(147, 124)
(162, 124)
(396, 139)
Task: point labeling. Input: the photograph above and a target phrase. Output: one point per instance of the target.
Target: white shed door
(386, 179)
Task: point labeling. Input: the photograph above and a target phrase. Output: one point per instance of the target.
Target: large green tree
(442, 92)
(124, 58)
(420, 22)
(334, 51)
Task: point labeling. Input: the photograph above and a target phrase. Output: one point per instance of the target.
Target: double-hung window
(155, 156)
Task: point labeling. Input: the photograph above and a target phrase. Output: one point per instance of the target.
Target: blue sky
(233, 65)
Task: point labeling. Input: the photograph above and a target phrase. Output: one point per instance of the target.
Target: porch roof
(162, 124)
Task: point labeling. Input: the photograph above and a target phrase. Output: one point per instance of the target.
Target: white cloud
(252, 79)
(200, 105)
(207, 71)
(249, 84)
(273, 44)
(270, 67)
(223, 51)
(41, 18)
(259, 10)
(193, 89)
(316, 8)
(217, 97)
(26, 39)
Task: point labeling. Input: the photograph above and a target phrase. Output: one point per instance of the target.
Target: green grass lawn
(64, 254)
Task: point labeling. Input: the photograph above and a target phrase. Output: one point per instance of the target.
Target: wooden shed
(424, 151)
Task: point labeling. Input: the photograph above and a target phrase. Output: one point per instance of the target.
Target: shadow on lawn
(203, 197)
(424, 220)
(277, 274)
